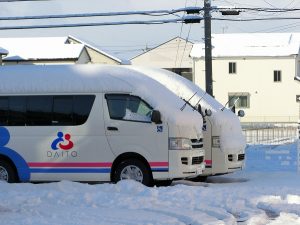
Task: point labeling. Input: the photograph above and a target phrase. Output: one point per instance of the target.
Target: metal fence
(270, 133)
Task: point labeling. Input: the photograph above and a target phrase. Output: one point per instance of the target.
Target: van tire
(7, 172)
(135, 170)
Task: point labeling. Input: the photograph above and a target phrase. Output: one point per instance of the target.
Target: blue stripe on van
(160, 169)
(70, 170)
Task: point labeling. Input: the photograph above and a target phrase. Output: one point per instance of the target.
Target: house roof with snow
(120, 61)
(52, 48)
(40, 48)
(250, 44)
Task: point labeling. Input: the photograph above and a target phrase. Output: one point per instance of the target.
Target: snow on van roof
(3, 51)
(37, 79)
(224, 120)
(32, 79)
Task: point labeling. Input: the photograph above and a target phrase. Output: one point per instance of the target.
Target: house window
(185, 72)
(277, 75)
(239, 100)
(232, 67)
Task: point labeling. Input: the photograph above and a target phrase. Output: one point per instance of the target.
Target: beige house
(53, 50)
(172, 55)
(257, 72)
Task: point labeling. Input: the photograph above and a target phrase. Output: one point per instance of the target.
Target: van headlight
(180, 144)
(216, 142)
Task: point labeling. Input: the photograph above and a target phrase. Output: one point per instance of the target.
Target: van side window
(128, 107)
(4, 111)
(17, 111)
(39, 110)
(63, 110)
(45, 110)
(81, 108)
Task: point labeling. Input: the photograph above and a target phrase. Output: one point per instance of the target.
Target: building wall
(96, 57)
(269, 101)
(172, 54)
(99, 58)
(83, 58)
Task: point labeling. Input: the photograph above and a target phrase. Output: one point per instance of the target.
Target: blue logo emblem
(160, 129)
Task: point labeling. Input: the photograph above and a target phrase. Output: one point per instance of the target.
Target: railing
(270, 133)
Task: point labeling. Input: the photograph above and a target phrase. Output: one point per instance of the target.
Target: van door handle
(112, 128)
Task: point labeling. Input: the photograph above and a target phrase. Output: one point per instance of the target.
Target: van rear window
(45, 110)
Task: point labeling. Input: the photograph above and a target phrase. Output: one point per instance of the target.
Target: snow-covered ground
(267, 191)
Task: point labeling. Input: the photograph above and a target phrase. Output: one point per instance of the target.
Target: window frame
(30, 118)
(232, 68)
(127, 95)
(277, 74)
(234, 95)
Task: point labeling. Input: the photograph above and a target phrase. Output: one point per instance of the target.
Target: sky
(126, 41)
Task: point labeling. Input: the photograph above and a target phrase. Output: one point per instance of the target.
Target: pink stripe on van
(70, 164)
(159, 164)
(208, 162)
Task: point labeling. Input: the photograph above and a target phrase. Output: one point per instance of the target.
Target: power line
(259, 9)
(105, 14)
(278, 28)
(147, 13)
(187, 19)
(179, 40)
(269, 4)
(258, 19)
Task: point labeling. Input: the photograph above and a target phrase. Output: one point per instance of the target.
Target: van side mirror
(155, 117)
(241, 113)
(208, 112)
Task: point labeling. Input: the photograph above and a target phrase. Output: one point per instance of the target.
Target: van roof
(36, 79)
(32, 79)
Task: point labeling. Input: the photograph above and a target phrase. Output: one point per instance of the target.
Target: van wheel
(133, 169)
(7, 172)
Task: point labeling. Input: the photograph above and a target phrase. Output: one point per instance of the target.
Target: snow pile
(253, 198)
(224, 120)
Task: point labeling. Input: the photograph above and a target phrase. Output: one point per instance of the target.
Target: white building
(53, 50)
(172, 55)
(257, 71)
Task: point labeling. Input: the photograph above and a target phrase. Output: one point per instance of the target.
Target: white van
(87, 123)
(224, 142)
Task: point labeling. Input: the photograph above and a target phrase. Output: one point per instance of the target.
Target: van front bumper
(186, 163)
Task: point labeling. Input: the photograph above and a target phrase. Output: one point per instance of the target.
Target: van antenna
(235, 102)
(187, 101)
(230, 100)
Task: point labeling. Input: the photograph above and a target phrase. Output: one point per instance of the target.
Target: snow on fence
(267, 133)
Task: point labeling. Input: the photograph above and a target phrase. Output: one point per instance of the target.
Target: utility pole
(208, 55)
